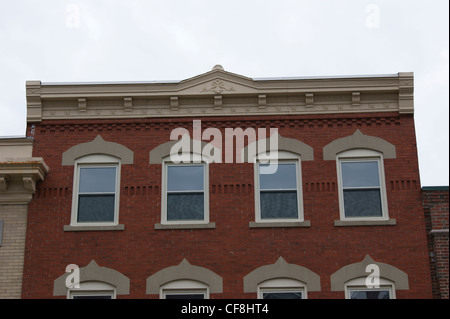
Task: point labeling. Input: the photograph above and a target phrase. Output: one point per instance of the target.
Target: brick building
(19, 173)
(343, 206)
(435, 204)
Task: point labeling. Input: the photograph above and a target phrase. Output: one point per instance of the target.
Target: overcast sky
(147, 40)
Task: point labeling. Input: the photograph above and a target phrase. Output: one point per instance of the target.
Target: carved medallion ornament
(218, 87)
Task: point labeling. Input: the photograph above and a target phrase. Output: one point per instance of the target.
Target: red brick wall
(436, 204)
(232, 249)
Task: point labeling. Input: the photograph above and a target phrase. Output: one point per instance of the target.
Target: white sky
(147, 40)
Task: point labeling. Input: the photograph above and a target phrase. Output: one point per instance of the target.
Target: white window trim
(92, 288)
(184, 287)
(283, 157)
(359, 155)
(280, 285)
(187, 160)
(360, 284)
(95, 161)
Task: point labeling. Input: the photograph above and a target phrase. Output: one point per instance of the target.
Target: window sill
(305, 223)
(94, 227)
(389, 222)
(185, 226)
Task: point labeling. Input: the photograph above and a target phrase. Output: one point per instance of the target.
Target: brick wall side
(232, 249)
(436, 208)
(14, 219)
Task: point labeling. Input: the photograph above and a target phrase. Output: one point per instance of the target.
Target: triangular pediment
(217, 82)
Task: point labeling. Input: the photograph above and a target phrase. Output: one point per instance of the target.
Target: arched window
(282, 288)
(281, 280)
(361, 184)
(96, 189)
(184, 281)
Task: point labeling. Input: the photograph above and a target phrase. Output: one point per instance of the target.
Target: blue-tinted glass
(185, 207)
(185, 296)
(367, 294)
(362, 203)
(96, 208)
(278, 205)
(185, 178)
(282, 295)
(283, 178)
(360, 174)
(97, 179)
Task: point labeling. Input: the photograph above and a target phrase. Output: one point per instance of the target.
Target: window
(185, 193)
(278, 194)
(92, 290)
(184, 289)
(282, 288)
(362, 192)
(96, 191)
(356, 289)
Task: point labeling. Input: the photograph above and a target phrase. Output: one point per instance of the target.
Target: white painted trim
(282, 157)
(92, 288)
(95, 161)
(282, 285)
(184, 286)
(361, 155)
(200, 161)
(360, 284)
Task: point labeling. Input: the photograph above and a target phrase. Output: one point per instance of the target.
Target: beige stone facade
(19, 173)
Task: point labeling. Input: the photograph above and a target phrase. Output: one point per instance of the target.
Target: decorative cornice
(356, 270)
(18, 179)
(182, 271)
(220, 93)
(93, 272)
(281, 269)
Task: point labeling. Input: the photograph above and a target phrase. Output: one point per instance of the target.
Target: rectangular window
(369, 294)
(184, 294)
(185, 193)
(282, 295)
(96, 194)
(278, 191)
(361, 188)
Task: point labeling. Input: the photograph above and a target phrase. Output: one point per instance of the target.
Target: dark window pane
(283, 178)
(360, 174)
(367, 294)
(185, 178)
(282, 295)
(278, 205)
(97, 179)
(185, 296)
(96, 208)
(92, 297)
(185, 206)
(362, 203)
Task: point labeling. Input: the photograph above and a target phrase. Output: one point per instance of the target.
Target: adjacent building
(174, 189)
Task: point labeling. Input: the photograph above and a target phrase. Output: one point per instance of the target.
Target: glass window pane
(185, 296)
(92, 297)
(282, 295)
(362, 203)
(360, 174)
(279, 205)
(185, 207)
(368, 294)
(185, 178)
(97, 179)
(96, 208)
(285, 177)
